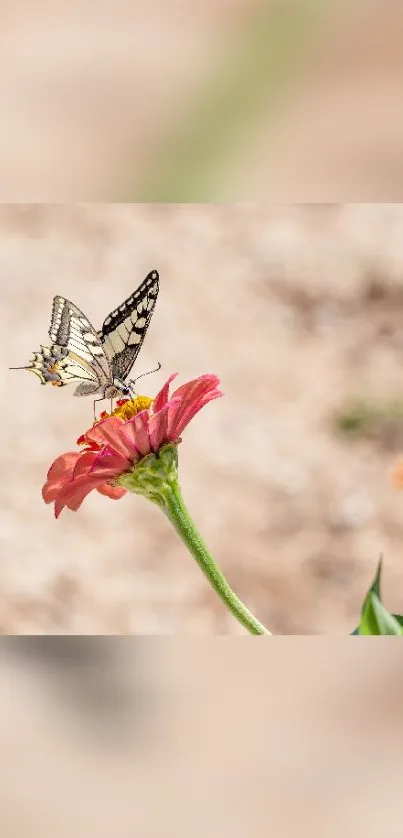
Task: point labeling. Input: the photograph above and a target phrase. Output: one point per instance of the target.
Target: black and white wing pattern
(57, 366)
(84, 359)
(124, 330)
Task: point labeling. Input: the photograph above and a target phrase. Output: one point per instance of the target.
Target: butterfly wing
(71, 330)
(124, 330)
(59, 367)
(94, 359)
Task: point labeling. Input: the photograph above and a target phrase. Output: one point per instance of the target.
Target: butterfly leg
(94, 403)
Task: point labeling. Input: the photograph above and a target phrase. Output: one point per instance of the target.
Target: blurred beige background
(208, 100)
(221, 738)
(298, 309)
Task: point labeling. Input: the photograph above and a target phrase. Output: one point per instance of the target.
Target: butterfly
(98, 361)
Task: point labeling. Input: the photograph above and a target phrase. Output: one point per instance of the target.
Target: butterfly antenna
(143, 374)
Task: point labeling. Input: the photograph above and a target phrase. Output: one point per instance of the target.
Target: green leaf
(357, 417)
(375, 619)
(376, 585)
(399, 618)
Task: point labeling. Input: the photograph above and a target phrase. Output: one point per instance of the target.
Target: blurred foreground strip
(194, 163)
(105, 685)
(347, 704)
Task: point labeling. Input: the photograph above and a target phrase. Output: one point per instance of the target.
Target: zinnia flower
(119, 442)
(135, 449)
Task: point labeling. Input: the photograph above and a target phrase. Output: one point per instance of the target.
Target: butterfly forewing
(71, 329)
(124, 330)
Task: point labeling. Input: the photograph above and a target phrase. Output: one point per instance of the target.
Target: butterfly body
(98, 362)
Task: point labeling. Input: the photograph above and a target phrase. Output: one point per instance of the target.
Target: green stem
(156, 478)
(177, 513)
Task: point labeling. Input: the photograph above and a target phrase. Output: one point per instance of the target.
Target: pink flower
(117, 442)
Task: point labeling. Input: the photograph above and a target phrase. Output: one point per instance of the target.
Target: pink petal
(158, 427)
(59, 473)
(111, 431)
(138, 427)
(194, 395)
(174, 413)
(108, 461)
(114, 492)
(196, 387)
(189, 414)
(72, 496)
(96, 468)
(84, 463)
(131, 432)
(74, 493)
(162, 397)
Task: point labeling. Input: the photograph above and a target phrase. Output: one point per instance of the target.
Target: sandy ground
(297, 309)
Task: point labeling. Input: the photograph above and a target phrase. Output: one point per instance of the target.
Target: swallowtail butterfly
(98, 361)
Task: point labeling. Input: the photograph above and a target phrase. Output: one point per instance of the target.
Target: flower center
(125, 409)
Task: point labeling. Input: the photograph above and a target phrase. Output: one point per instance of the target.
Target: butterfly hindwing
(57, 366)
(124, 330)
(71, 368)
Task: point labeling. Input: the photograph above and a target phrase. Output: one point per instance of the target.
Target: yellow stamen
(132, 407)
